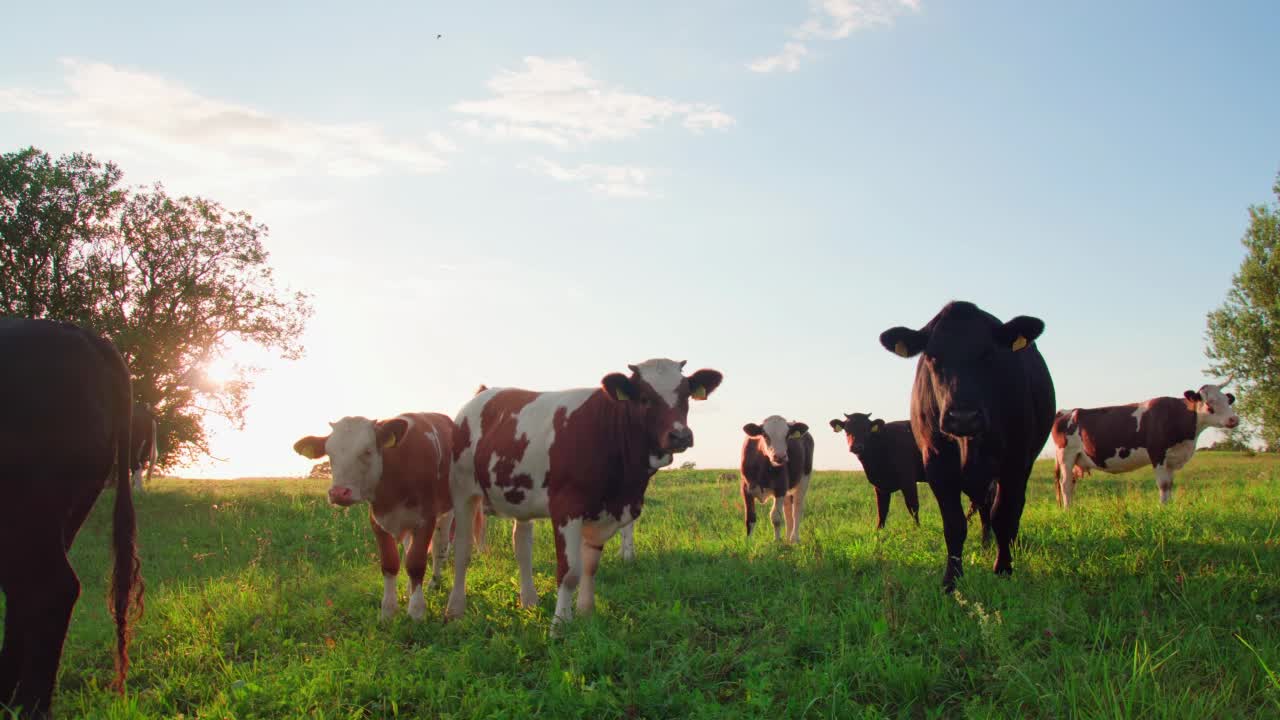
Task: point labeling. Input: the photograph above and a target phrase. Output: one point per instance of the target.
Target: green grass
(262, 601)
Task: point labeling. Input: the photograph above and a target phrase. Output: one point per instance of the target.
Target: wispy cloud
(147, 113)
(832, 20)
(619, 181)
(558, 102)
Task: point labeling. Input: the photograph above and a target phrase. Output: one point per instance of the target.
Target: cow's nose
(963, 423)
(780, 459)
(679, 440)
(1232, 422)
(340, 495)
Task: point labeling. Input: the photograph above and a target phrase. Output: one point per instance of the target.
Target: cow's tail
(151, 461)
(126, 578)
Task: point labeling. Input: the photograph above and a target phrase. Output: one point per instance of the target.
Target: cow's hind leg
(797, 507)
(439, 548)
(911, 497)
(628, 541)
(1164, 481)
(40, 596)
(415, 563)
(464, 508)
(568, 568)
(522, 542)
(1065, 477)
(882, 506)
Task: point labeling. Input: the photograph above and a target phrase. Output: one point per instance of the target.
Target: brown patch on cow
(1112, 431)
(515, 496)
(412, 472)
(498, 435)
(461, 439)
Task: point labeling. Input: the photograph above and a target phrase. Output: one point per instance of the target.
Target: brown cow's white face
(772, 436)
(355, 449)
(661, 390)
(1214, 407)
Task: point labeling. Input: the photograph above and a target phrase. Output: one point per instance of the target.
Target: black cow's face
(960, 347)
(860, 431)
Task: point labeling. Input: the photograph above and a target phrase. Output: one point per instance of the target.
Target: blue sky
(540, 198)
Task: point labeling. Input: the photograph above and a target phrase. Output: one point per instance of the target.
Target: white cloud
(557, 102)
(149, 114)
(832, 20)
(620, 181)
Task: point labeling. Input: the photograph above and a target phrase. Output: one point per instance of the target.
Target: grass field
(262, 602)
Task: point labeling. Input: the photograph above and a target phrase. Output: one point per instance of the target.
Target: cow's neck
(626, 433)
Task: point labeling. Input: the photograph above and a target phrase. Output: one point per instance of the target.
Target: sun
(220, 370)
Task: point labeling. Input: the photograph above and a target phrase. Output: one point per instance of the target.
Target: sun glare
(220, 370)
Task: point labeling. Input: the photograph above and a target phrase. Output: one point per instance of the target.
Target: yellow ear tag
(390, 442)
(901, 349)
(875, 428)
(1020, 343)
(621, 394)
(699, 393)
(795, 435)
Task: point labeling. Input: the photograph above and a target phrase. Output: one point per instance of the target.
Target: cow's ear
(876, 425)
(797, 431)
(1192, 395)
(391, 432)
(1231, 399)
(752, 430)
(618, 386)
(311, 447)
(837, 425)
(1019, 332)
(703, 383)
(904, 341)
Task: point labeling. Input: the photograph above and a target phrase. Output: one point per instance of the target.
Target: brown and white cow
(777, 461)
(1160, 432)
(582, 458)
(400, 467)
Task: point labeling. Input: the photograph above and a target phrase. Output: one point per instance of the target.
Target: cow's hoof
(417, 607)
(433, 584)
(1004, 571)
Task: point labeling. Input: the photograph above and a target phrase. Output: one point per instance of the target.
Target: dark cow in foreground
(400, 467)
(889, 457)
(142, 444)
(1160, 432)
(777, 462)
(981, 410)
(64, 425)
(581, 457)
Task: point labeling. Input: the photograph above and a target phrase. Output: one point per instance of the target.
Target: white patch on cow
(417, 604)
(354, 457)
(775, 429)
(536, 422)
(660, 461)
(664, 376)
(390, 603)
(1179, 455)
(627, 538)
(1139, 412)
(1136, 458)
(400, 520)
(435, 440)
(677, 425)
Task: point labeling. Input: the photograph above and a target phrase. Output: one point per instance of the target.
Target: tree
(1244, 334)
(174, 282)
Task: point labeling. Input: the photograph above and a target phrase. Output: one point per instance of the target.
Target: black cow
(889, 458)
(777, 462)
(981, 410)
(64, 424)
(142, 446)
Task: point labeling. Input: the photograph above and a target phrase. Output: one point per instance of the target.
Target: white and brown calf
(777, 461)
(1160, 432)
(582, 458)
(400, 467)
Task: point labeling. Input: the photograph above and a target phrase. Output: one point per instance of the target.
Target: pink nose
(340, 496)
(1232, 422)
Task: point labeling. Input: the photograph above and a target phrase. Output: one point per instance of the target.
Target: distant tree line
(171, 280)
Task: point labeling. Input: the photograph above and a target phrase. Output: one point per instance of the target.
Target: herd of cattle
(982, 407)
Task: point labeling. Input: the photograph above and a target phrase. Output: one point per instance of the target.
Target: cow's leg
(1164, 481)
(439, 547)
(1006, 516)
(882, 506)
(592, 545)
(628, 541)
(911, 496)
(789, 513)
(137, 480)
(749, 503)
(1065, 477)
(568, 568)
(389, 556)
(478, 527)
(522, 540)
(415, 563)
(954, 528)
(13, 650)
(464, 507)
(81, 506)
(42, 594)
(775, 515)
(797, 503)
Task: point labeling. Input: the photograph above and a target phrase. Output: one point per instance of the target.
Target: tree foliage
(1244, 333)
(173, 281)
